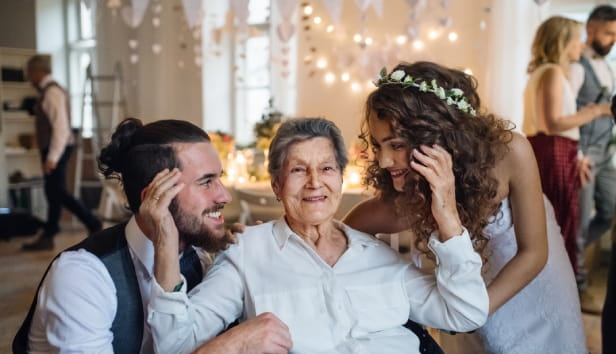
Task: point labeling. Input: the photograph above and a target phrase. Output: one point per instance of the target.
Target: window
(81, 35)
(251, 72)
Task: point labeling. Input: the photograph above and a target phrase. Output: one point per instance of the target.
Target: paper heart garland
(285, 31)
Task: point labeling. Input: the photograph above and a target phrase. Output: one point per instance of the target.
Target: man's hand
(49, 166)
(238, 228)
(160, 226)
(265, 333)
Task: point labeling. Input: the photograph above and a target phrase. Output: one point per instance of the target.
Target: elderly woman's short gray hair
(301, 129)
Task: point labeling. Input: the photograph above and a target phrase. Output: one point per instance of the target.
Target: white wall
(17, 24)
(157, 87)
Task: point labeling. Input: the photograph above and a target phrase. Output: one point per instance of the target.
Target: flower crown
(454, 97)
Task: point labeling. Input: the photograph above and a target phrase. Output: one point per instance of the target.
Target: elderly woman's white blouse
(357, 306)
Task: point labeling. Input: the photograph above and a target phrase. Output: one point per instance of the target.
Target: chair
(257, 205)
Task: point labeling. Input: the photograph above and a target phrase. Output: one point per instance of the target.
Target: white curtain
(512, 28)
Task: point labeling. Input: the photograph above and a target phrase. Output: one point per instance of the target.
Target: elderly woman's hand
(434, 163)
(154, 212)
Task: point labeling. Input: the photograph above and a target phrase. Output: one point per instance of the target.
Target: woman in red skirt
(551, 121)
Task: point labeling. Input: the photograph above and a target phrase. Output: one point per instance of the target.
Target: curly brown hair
(475, 143)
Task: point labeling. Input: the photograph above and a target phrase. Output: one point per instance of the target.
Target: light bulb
(330, 77)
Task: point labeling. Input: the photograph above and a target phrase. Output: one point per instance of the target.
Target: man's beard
(193, 230)
(599, 49)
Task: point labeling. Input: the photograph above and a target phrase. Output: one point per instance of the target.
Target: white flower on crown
(440, 92)
(456, 92)
(463, 105)
(453, 97)
(397, 75)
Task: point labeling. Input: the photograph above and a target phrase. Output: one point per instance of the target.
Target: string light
(355, 86)
(401, 39)
(433, 34)
(468, 71)
(368, 41)
(357, 37)
(330, 78)
(321, 63)
(453, 36)
(345, 77)
(317, 20)
(308, 10)
(418, 45)
(330, 28)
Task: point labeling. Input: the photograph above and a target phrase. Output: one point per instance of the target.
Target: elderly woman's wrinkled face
(310, 182)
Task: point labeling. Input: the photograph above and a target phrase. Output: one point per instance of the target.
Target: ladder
(106, 112)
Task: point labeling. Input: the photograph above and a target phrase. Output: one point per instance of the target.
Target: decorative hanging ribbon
(133, 15)
(240, 12)
(334, 10)
(193, 10)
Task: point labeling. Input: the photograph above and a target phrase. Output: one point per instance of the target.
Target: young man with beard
(94, 295)
(592, 80)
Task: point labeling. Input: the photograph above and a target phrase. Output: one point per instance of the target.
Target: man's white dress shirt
(77, 300)
(357, 306)
(55, 106)
(599, 65)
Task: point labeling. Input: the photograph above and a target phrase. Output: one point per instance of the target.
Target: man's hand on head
(265, 333)
(158, 224)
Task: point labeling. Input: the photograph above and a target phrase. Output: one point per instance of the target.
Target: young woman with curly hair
(425, 128)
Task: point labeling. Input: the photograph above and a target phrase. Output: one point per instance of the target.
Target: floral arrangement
(357, 155)
(454, 97)
(224, 144)
(266, 128)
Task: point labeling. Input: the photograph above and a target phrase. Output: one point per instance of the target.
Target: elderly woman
(337, 289)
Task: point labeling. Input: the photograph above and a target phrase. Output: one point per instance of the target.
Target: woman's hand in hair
(435, 165)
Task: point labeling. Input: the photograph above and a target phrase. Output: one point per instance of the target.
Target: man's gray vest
(597, 131)
(111, 248)
(43, 126)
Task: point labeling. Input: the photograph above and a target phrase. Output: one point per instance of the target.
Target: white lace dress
(544, 317)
